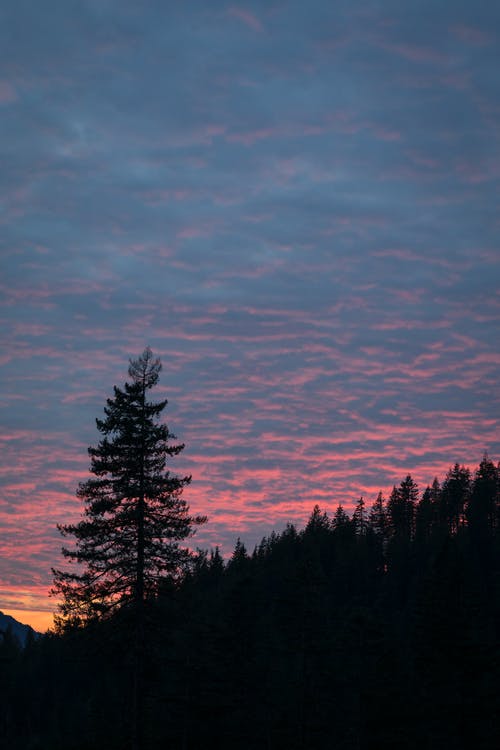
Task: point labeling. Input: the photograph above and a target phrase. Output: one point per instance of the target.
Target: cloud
(471, 35)
(7, 93)
(248, 18)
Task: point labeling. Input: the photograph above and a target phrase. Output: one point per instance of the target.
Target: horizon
(42, 620)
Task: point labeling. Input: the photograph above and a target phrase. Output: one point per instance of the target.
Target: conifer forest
(374, 629)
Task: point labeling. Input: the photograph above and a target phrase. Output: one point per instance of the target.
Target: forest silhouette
(379, 629)
(375, 630)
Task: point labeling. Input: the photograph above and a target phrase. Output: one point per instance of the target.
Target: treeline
(379, 629)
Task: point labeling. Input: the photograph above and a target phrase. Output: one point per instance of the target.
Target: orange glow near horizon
(40, 620)
(250, 512)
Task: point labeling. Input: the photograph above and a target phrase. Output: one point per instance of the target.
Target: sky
(294, 204)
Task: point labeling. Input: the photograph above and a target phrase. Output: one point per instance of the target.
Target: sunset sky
(295, 204)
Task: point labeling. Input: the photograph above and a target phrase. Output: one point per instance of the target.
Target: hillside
(20, 632)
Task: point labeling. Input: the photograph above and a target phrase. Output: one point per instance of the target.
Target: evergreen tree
(482, 509)
(378, 517)
(318, 522)
(424, 517)
(454, 497)
(134, 519)
(340, 521)
(377, 534)
(401, 508)
(359, 518)
(240, 555)
(216, 562)
(135, 515)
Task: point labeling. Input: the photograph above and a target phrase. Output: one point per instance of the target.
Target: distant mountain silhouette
(17, 629)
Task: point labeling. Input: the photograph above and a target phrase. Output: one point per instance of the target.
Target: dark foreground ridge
(379, 630)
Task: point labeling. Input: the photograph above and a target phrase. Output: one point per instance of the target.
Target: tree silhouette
(360, 518)
(134, 517)
(454, 497)
(401, 508)
(378, 518)
(484, 504)
(323, 637)
(134, 514)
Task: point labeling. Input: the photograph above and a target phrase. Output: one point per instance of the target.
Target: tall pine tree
(134, 519)
(135, 515)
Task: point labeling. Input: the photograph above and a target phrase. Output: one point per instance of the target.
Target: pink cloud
(193, 232)
(387, 135)
(248, 478)
(31, 329)
(459, 81)
(417, 53)
(413, 296)
(423, 160)
(472, 35)
(249, 19)
(314, 130)
(239, 496)
(250, 137)
(476, 173)
(8, 93)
